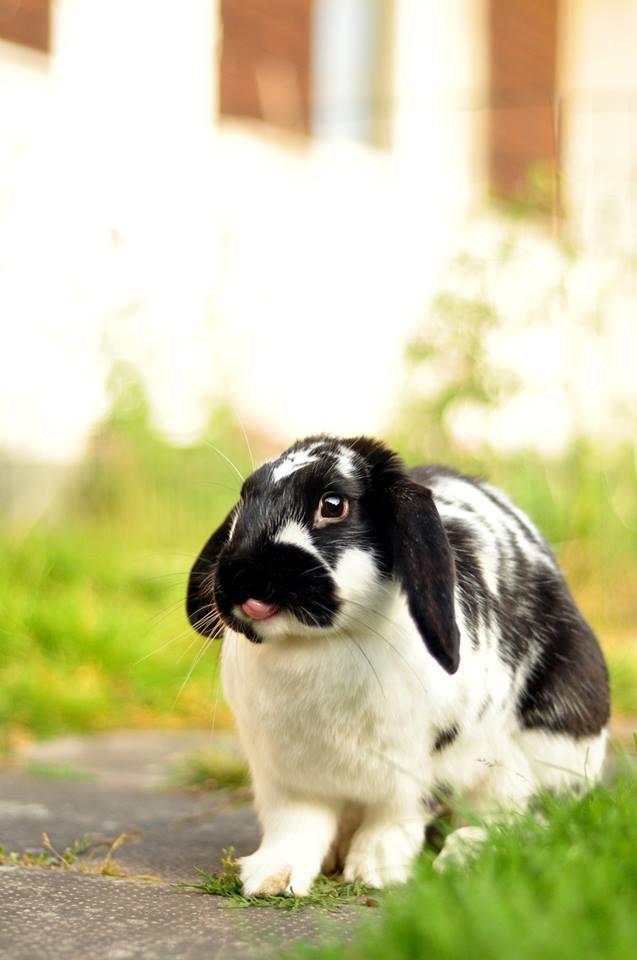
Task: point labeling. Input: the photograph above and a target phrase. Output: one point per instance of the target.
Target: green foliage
(93, 633)
(453, 353)
(564, 891)
(537, 195)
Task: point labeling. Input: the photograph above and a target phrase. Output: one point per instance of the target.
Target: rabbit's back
(514, 600)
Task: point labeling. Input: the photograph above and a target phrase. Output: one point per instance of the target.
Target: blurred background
(228, 223)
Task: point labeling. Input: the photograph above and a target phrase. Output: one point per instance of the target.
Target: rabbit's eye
(332, 508)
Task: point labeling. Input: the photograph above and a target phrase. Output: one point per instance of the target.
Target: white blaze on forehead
(292, 463)
(297, 535)
(346, 462)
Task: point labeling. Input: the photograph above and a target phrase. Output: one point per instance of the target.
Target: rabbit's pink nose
(258, 609)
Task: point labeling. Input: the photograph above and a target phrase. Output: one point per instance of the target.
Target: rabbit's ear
(200, 605)
(424, 566)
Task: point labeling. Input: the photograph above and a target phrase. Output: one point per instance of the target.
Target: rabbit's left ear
(199, 597)
(424, 566)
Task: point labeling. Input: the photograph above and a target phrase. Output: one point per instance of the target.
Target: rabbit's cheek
(356, 575)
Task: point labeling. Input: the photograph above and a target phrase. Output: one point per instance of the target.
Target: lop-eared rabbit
(391, 635)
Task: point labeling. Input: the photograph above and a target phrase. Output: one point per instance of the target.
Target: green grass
(211, 769)
(327, 893)
(566, 891)
(47, 856)
(85, 856)
(93, 632)
(78, 616)
(60, 771)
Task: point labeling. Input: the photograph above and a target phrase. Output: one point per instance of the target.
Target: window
(266, 61)
(523, 122)
(27, 22)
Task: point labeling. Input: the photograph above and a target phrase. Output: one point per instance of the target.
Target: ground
(100, 788)
(99, 846)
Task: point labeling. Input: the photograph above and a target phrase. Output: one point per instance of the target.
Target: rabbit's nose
(258, 609)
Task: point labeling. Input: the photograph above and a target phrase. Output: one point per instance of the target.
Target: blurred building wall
(149, 215)
(438, 90)
(107, 226)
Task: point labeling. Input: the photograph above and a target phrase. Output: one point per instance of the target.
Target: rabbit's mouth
(284, 622)
(259, 610)
(277, 622)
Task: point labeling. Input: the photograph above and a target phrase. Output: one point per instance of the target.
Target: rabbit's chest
(339, 724)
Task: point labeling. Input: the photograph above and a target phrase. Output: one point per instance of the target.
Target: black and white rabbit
(390, 634)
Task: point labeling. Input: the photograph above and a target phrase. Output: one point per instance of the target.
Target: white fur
(453, 495)
(346, 463)
(490, 549)
(460, 846)
(355, 574)
(296, 534)
(291, 464)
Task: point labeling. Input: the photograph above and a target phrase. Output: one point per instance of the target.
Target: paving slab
(48, 914)
(169, 832)
(61, 912)
(140, 758)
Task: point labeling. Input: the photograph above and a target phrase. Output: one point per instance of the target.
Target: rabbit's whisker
(227, 459)
(172, 640)
(204, 647)
(245, 437)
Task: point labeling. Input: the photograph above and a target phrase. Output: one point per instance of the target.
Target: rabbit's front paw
(460, 847)
(381, 858)
(268, 873)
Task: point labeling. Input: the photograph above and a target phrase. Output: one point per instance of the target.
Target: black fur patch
(444, 738)
(472, 588)
(567, 688)
(200, 606)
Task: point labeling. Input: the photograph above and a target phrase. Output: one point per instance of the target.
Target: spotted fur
(429, 638)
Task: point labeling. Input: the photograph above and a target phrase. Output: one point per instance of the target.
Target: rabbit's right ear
(200, 605)
(424, 566)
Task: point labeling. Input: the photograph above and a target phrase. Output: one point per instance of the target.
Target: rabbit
(391, 637)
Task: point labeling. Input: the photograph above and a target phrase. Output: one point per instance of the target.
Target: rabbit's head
(314, 541)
